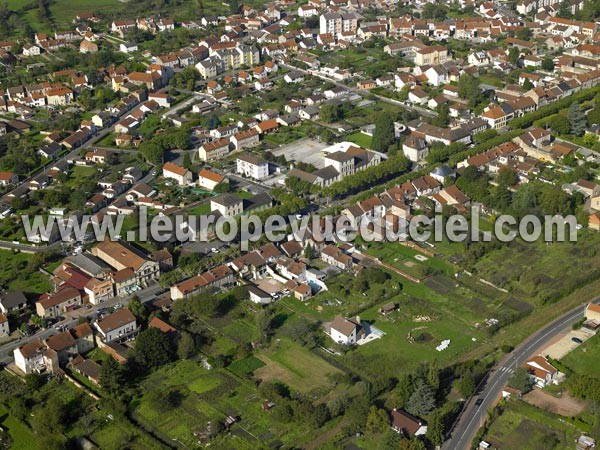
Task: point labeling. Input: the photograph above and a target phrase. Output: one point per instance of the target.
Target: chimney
(357, 319)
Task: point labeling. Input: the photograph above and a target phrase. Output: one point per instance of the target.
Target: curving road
(473, 416)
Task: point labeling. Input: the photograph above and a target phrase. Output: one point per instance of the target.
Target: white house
(541, 372)
(117, 326)
(209, 180)
(346, 331)
(128, 47)
(259, 296)
(252, 167)
(180, 174)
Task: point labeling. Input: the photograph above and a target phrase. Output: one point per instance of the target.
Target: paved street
(473, 416)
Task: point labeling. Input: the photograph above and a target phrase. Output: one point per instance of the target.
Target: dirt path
(566, 405)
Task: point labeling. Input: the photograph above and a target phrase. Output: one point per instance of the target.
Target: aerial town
(356, 111)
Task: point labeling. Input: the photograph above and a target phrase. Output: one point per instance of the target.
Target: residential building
(252, 167)
(121, 255)
(346, 331)
(117, 327)
(180, 174)
(54, 305)
(228, 205)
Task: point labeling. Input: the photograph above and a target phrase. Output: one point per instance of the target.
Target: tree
(435, 428)
(466, 385)
(330, 112)
(422, 400)
(112, 377)
(138, 309)
(377, 420)
(400, 395)
(559, 124)
(577, 119)
(521, 380)
(384, 135)
(403, 94)
(507, 177)
(187, 161)
(513, 55)
(548, 64)
(593, 117)
(186, 347)
(153, 348)
(527, 85)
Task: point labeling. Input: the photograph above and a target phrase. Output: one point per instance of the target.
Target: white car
(214, 250)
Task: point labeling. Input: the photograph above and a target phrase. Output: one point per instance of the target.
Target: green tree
(187, 160)
(422, 401)
(435, 428)
(186, 347)
(507, 177)
(577, 119)
(466, 385)
(548, 64)
(384, 135)
(330, 112)
(593, 117)
(559, 124)
(521, 380)
(112, 377)
(403, 94)
(138, 309)
(527, 85)
(377, 420)
(153, 348)
(513, 55)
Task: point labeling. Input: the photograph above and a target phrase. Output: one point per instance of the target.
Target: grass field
(15, 273)
(524, 427)
(584, 359)
(360, 139)
(204, 395)
(21, 434)
(295, 366)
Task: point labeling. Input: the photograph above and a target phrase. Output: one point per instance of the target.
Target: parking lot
(306, 150)
(565, 344)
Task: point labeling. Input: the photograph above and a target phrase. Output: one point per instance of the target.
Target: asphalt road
(473, 416)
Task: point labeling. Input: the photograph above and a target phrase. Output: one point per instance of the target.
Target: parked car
(577, 340)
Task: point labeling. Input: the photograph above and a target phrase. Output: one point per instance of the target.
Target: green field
(584, 359)
(15, 271)
(360, 139)
(524, 427)
(20, 433)
(295, 366)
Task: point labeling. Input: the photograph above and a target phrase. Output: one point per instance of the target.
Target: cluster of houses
(111, 269)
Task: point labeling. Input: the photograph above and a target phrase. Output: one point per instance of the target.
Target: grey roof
(13, 299)
(443, 171)
(227, 199)
(88, 263)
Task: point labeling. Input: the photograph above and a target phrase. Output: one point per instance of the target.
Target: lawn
(360, 139)
(584, 359)
(295, 366)
(15, 272)
(21, 434)
(524, 427)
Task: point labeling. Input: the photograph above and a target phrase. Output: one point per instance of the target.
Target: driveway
(564, 345)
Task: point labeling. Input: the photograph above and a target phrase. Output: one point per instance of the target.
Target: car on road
(479, 401)
(577, 340)
(214, 250)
